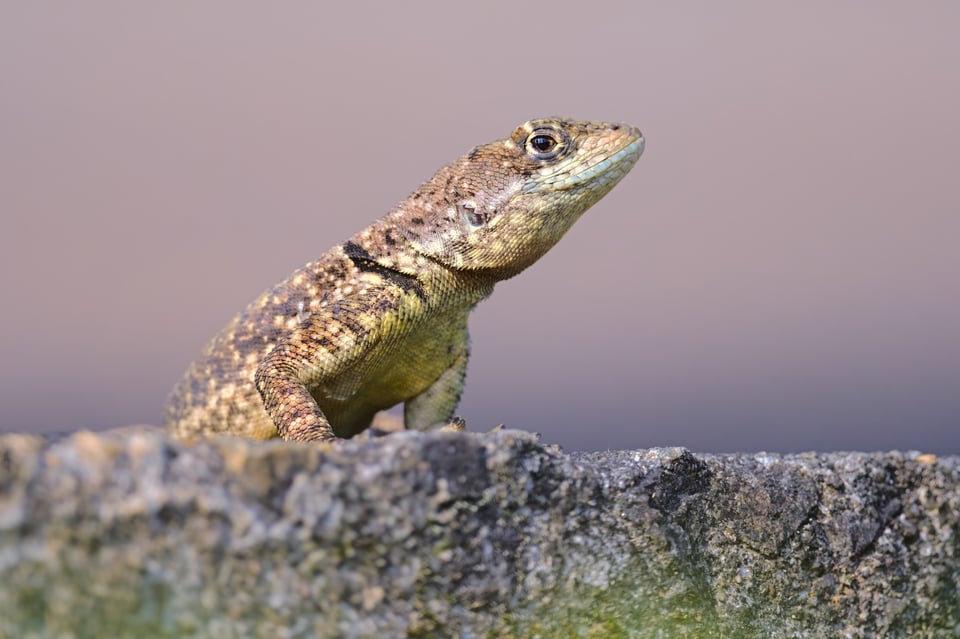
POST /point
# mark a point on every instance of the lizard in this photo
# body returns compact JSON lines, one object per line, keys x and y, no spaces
{"x":382,"y":318}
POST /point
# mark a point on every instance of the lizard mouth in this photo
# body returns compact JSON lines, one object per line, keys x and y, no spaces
{"x":605,"y":172}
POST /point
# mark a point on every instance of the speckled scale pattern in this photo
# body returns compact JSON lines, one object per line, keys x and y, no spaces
{"x":382,"y":318}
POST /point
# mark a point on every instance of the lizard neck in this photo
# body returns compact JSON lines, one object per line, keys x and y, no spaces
{"x":383,"y":248}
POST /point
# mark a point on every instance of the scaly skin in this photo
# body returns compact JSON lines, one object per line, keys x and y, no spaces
{"x":382,"y":318}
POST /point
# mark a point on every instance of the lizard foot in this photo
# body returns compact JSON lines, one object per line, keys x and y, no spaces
{"x":456,"y":425}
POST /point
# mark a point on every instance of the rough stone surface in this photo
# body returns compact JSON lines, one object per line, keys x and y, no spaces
{"x":463,"y":535}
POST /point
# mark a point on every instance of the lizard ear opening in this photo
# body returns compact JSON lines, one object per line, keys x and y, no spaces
{"x":472,"y":218}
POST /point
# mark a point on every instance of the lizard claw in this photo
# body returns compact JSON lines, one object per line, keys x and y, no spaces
{"x":456,"y":425}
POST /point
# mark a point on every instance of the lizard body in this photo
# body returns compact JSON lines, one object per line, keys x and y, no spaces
{"x":382,"y":318}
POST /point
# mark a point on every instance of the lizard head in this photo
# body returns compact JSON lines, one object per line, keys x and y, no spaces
{"x":503,"y":205}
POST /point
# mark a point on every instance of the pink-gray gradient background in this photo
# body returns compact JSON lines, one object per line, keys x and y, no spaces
{"x":779,"y":272}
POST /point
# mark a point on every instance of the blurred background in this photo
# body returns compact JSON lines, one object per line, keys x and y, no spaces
{"x":779,"y":272}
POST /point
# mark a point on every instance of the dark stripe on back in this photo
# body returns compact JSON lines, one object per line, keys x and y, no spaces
{"x":366,"y":263}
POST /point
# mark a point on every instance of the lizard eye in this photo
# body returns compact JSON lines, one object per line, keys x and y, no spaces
{"x":470,"y":215}
{"x":545,"y":144}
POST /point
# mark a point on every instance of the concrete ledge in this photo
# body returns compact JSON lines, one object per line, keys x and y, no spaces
{"x":448,"y":534}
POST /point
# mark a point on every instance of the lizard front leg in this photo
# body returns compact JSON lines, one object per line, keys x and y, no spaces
{"x":286,"y":399}
{"x":435,"y":405}
{"x":326,"y":343}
